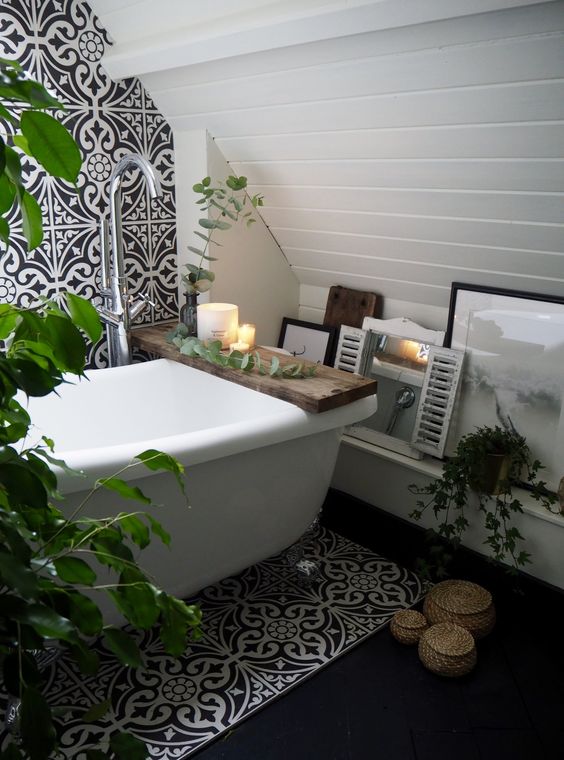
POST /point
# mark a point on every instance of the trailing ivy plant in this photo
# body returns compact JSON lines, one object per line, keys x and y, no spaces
{"x":228,"y":200}
{"x":467,"y":471}
{"x":212,"y":352}
{"x":49,"y":559}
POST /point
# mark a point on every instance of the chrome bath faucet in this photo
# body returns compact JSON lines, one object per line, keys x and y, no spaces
{"x":119,"y":308}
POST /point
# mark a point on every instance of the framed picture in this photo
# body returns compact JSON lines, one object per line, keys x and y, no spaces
{"x":308,"y":340}
{"x":514,"y":366}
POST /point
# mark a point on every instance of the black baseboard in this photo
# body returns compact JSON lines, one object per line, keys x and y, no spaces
{"x":404,"y":542}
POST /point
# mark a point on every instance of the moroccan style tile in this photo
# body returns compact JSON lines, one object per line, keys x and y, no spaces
{"x":264,"y":633}
{"x":61,"y":43}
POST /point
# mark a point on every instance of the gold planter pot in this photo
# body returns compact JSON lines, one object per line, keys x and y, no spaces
{"x":494,"y":472}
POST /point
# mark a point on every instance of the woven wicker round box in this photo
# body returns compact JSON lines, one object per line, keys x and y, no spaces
{"x":461,"y":602}
{"x":407,"y":626}
{"x":448,"y":650}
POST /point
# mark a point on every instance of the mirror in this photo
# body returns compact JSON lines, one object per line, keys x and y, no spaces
{"x":399,"y":364}
{"x":417,"y":385}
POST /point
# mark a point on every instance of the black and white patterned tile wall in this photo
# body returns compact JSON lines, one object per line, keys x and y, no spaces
{"x":61,"y":43}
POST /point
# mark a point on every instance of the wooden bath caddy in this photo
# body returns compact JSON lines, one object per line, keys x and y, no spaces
{"x":328,"y":389}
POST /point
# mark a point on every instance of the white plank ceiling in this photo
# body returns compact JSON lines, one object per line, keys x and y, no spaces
{"x":396,"y":159}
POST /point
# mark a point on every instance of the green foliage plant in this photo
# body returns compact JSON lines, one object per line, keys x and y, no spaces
{"x":247,"y":362}
{"x":467,"y":471}
{"x":29,"y":131}
{"x":50,"y":562}
{"x":226,"y":201}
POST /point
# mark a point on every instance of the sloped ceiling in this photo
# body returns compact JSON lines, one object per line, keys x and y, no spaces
{"x":399,"y":145}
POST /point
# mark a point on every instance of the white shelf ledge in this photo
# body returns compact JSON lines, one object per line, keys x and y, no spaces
{"x":433,"y":469}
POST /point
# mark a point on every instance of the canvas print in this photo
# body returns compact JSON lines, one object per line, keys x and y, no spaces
{"x":514,"y":365}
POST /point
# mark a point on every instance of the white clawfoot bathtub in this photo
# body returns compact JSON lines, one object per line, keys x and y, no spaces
{"x":257,"y":469}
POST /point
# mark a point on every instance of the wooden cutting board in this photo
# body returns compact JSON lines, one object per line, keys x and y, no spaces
{"x":349,"y":307}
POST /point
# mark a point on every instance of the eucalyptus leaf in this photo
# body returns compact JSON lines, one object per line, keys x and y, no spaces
{"x":207,"y":224}
{"x":203,"y":285}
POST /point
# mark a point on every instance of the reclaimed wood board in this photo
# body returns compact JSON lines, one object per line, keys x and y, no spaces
{"x":328,"y":389}
{"x":349,"y":307}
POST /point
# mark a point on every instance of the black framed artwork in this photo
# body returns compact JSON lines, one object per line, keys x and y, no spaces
{"x":514,"y":366}
{"x":308,"y":340}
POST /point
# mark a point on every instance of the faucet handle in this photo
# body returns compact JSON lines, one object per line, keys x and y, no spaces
{"x":137,"y":307}
{"x":145,"y":298}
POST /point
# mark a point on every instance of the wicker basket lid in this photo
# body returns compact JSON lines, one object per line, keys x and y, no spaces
{"x":460,"y":597}
{"x":449,"y":639}
{"x":410,"y":619}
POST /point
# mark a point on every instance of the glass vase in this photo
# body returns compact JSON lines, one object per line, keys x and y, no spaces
{"x":189,"y":314}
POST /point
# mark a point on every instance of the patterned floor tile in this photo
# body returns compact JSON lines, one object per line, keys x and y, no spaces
{"x":264,"y":632}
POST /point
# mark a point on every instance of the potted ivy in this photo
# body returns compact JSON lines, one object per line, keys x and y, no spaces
{"x":490,"y":463}
{"x":228,"y":202}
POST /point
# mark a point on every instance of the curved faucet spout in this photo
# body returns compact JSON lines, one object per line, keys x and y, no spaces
{"x":131,"y":161}
{"x":119,"y":302}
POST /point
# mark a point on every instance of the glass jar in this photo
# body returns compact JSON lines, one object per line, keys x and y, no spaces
{"x":189,"y":314}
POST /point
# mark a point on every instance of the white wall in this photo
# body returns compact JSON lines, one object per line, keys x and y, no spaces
{"x":425,"y":149}
{"x":251,"y":270}
{"x":191,"y":165}
{"x":382,"y":480}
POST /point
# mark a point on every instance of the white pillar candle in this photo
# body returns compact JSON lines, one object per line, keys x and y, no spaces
{"x":218,"y":321}
{"x":247,"y":334}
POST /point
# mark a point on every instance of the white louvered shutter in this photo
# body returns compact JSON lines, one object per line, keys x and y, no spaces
{"x":437,"y":400}
{"x":349,"y":349}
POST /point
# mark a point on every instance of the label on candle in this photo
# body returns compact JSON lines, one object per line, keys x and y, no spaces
{"x":218,"y":321}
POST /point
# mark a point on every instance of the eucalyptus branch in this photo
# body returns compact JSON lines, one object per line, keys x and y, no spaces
{"x":247,"y":362}
{"x":199,"y":279}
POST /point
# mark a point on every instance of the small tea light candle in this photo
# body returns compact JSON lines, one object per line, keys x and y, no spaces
{"x":239,"y":346}
{"x":246,"y":334}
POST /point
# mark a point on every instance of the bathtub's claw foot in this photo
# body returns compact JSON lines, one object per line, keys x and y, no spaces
{"x":312,"y":532}
{"x":12,"y":716}
{"x":294,"y":554}
{"x":307,"y":571}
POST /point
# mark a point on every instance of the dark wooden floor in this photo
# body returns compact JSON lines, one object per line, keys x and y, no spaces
{"x":379,"y":702}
